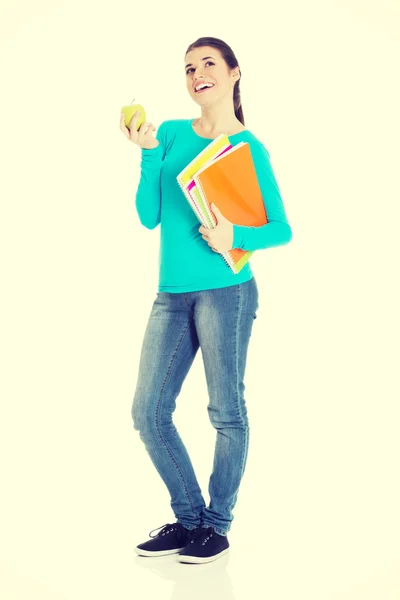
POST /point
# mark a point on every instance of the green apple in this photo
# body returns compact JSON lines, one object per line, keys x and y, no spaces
{"x":130,"y":110}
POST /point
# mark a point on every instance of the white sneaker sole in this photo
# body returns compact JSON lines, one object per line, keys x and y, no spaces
{"x":157,"y":553}
{"x":200,"y":559}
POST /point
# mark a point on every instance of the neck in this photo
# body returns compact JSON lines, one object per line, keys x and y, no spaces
{"x":217,"y":118}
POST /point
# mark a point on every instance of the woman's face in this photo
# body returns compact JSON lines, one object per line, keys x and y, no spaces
{"x":206,"y":64}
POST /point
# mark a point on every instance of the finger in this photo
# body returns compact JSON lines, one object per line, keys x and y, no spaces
{"x":124,"y":128}
{"x":134,"y":120}
{"x":143,"y":128}
{"x":148,"y":128}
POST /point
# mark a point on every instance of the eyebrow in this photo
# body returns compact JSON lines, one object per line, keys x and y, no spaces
{"x":205,"y":58}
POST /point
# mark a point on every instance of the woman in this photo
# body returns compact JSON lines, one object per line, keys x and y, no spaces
{"x":200,"y":303}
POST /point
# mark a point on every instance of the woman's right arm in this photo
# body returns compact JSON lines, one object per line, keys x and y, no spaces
{"x":148,"y":195}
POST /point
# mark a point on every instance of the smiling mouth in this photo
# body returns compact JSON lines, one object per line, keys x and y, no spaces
{"x":203,"y":89}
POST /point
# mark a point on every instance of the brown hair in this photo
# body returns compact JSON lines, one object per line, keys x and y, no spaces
{"x":230,"y":59}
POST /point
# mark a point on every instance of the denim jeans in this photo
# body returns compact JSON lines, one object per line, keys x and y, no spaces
{"x":219,"y":321}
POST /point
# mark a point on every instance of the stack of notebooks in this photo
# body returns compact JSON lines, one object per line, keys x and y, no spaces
{"x":225,"y":175}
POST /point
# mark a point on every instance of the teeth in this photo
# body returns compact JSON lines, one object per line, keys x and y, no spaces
{"x":203,"y":85}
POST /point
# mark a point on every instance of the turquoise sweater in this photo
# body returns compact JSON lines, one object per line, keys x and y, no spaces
{"x":186,"y":262}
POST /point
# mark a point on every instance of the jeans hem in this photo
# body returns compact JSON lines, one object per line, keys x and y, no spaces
{"x":216,"y":529}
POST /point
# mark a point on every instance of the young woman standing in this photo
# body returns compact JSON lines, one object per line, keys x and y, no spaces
{"x":200,"y":303}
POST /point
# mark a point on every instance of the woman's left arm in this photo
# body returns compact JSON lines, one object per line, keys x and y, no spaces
{"x":277,"y":231}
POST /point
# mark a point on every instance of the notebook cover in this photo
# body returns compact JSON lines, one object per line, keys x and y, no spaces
{"x":231,"y":182}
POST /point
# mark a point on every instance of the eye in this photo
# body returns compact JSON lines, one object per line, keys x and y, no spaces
{"x":207,"y":63}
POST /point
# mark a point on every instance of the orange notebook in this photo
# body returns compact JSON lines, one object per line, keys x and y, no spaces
{"x":230,"y":181}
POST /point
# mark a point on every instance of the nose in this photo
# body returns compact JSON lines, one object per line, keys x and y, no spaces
{"x":197,"y":76}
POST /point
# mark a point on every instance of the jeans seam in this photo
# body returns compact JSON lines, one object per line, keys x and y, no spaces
{"x":240,"y":306}
{"x":157,"y":422}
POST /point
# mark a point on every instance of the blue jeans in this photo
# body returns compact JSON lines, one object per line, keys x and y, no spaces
{"x":219,"y":321}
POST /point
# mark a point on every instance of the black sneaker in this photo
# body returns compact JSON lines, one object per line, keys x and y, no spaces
{"x":205,"y":546}
{"x":172,"y":538}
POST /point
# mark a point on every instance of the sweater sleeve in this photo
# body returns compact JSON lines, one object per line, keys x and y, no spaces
{"x":277,"y":231}
{"x":148,"y":194}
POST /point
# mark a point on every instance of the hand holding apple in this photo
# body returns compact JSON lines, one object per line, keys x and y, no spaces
{"x":139,"y":132}
{"x":129,"y":112}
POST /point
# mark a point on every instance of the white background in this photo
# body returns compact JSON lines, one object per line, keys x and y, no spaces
{"x":317,"y":514}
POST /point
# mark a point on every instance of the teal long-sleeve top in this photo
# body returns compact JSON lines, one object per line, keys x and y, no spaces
{"x":186,"y":262}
